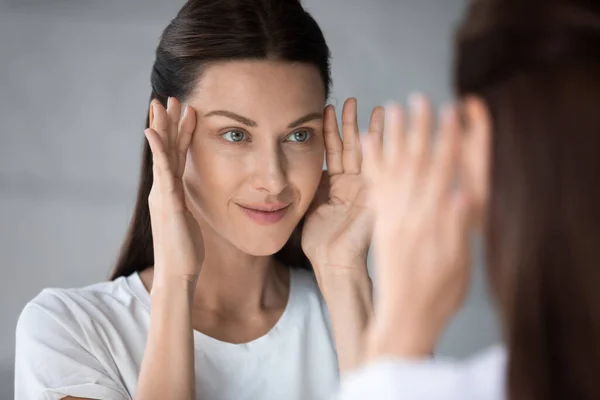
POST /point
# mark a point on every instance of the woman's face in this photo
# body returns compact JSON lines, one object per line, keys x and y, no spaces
{"x":256,"y":157}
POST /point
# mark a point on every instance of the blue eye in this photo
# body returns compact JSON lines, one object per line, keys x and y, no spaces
{"x":234,"y":136}
{"x":299,"y":136}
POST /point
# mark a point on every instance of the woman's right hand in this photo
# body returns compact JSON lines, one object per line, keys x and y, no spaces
{"x":177,"y":240}
{"x":168,"y":369}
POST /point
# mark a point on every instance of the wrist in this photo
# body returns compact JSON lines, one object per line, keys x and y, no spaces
{"x":348,"y":295}
{"x":341,"y":281}
{"x":172,"y":288}
{"x":165,"y":276}
{"x":341,"y":268}
{"x":326,"y":259}
{"x":397,"y":339}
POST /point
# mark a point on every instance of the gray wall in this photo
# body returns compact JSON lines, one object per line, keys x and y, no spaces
{"x":74,"y":85}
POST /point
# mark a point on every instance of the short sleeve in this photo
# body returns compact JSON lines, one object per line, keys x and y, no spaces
{"x":52,"y":362}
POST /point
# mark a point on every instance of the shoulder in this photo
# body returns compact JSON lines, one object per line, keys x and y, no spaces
{"x":487,"y":370}
{"x":71,"y":308}
{"x":63,"y":343}
{"x":59,"y":300}
{"x":494,"y":356}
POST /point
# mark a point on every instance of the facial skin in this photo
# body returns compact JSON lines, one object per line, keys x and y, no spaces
{"x":258,"y":144}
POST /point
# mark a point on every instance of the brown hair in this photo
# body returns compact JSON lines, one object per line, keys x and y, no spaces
{"x":537,"y":66}
{"x":211,"y":31}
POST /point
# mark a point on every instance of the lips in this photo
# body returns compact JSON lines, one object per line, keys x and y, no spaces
{"x":265,"y":214}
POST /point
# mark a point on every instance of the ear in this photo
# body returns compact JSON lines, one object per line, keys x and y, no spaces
{"x":476,"y":154}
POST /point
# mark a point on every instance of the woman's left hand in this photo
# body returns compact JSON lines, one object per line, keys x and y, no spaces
{"x":337,"y":233}
{"x":338,"y":226}
{"x":421,"y":237}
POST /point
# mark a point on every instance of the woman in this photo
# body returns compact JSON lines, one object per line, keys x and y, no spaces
{"x":528,"y":74}
{"x":211,"y":296}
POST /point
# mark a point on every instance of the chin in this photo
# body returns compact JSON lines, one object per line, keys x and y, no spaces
{"x":261,"y":245}
{"x":265,"y":247}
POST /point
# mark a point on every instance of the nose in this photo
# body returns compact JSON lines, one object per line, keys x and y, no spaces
{"x":269,"y":173}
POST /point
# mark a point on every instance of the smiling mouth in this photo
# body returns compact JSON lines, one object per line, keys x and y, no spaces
{"x":265,"y":214}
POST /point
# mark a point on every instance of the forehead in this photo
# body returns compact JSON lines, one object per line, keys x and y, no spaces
{"x":260,"y":87}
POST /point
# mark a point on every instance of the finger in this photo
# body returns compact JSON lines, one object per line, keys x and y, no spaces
{"x":333,"y":142}
{"x":174,"y":114}
{"x":352,"y":151}
{"x":445,"y":161}
{"x":376,"y":125}
{"x":373,"y":157}
{"x":393,"y":151}
{"x":161,"y":167}
{"x":160,"y":122}
{"x":419,"y":137}
{"x":186,"y":129}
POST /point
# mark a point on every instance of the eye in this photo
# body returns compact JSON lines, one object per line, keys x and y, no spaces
{"x":234,"y":136}
{"x":299,"y":136}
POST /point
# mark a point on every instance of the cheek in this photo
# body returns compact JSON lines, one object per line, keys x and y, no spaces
{"x":211,"y":177}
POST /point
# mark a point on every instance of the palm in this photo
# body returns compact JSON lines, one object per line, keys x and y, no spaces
{"x":340,"y":221}
{"x":177,"y":239}
{"x":337,"y":228}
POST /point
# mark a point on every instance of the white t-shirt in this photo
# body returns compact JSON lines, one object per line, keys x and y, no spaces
{"x":90,"y":342}
{"x":481,"y":377}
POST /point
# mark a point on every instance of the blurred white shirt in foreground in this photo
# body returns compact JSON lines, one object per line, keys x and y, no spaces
{"x":481,"y":377}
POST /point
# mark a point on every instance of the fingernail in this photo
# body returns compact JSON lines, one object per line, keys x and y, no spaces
{"x":389,"y":104}
{"x":185,"y":111}
{"x":416,"y":101}
{"x":168,"y":103}
{"x":392,"y":109}
{"x":388,"y":108}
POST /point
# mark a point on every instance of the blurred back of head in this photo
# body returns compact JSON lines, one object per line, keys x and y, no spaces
{"x":536,"y":64}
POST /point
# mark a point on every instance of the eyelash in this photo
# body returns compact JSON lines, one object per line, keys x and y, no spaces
{"x":234,"y":131}
{"x":309,"y":133}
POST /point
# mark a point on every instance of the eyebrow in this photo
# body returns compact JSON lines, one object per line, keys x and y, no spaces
{"x":305,"y":119}
{"x":248,"y":122}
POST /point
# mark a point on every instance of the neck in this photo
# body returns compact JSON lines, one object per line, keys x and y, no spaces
{"x":232,"y":281}
{"x":235,"y":283}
